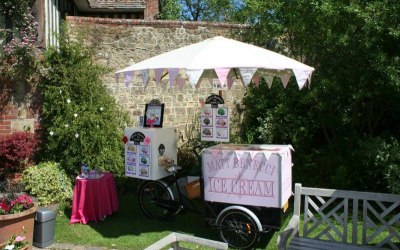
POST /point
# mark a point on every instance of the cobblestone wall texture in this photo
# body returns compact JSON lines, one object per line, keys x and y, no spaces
{"x":120,"y":43}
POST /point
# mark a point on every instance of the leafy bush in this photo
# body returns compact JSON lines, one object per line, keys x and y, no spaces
{"x":17,"y":151}
{"x":48,"y":182}
{"x":81,"y":121}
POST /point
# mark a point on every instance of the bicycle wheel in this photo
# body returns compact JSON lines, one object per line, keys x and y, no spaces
{"x":154,"y":199}
{"x":238,"y":229}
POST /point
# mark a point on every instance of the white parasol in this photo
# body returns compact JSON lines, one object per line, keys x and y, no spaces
{"x":221,"y":58}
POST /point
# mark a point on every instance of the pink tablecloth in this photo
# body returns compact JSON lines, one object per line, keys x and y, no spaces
{"x":94,"y":199}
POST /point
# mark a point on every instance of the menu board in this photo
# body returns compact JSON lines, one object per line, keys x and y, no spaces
{"x":215,"y":123}
{"x":138,"y":160}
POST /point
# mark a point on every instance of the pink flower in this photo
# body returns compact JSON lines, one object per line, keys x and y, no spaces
{"x":19,"y":238}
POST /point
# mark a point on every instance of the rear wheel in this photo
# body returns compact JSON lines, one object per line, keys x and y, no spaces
{"x":238,"y":229}
{"x":154,"y":200}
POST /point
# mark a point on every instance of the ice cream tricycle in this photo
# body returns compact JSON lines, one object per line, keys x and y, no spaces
{"x":244,"y":188}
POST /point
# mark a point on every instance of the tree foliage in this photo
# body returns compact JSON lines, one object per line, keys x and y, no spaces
{"x":338,"y":125}
{"x":198,"y":10}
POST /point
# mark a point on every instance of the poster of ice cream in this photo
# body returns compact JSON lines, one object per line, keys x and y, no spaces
{"x":138,"y":160}
{"x":215,"y":123}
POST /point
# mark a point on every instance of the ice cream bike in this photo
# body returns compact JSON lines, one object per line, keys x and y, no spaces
{"x":245,"y":188}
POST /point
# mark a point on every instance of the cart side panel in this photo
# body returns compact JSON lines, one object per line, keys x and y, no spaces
{"x":142,"y":157}
{"x":248,"y":177}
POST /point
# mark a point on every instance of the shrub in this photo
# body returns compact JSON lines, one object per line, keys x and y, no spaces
{"x":48,"y":182}
{"x":17,"y":151}
{"x":81,"y":122}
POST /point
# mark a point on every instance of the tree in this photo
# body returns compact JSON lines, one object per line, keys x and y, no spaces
{"x":169,"y":9}
{"x":198,"y":10}
{"x":80,"y":120}
{"x":355,"y":49}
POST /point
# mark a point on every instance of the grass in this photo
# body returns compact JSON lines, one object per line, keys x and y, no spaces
{"x":130,"y":229}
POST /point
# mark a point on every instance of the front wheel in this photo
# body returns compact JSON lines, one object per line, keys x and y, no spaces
{"x":154,"y":200}
{"x":238,"y":229}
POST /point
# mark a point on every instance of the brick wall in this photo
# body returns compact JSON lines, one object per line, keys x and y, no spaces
{"x":151,"y":10}
{"x":17,"y":113}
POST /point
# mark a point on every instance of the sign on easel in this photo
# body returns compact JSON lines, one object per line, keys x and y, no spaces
{"x":215,"y":120}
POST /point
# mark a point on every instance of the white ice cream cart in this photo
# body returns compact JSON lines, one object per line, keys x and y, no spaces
{"x":146,"y":149}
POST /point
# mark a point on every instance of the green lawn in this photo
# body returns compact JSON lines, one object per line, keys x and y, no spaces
{"x":130,"y":229}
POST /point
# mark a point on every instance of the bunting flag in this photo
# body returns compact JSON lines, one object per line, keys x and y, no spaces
{"x":256,"y":80}
{"x":230,"y":82}
{"x":269,"y":79}
{"x":285,"y":79}
{"x":215,"y":152}
{"x":247,"y":74}
{"x":302,"y":76}
{"x":222,"y":74}
{"x":194,"y":76}
{"x":145,"y":77}
{"x":128,"y":78}
{"x":158,"y":73}
{"x":173,"y":73}
{"x":181,"y":83}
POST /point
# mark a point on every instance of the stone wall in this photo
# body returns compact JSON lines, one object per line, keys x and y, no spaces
{"x":120,"y":43}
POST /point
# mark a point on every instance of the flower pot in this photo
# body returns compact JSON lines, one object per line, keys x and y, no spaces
{"x":2,"y":245}
{"x":12,"y":224}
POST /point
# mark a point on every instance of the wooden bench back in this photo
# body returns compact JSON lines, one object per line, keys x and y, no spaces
{"x":328,"y":214}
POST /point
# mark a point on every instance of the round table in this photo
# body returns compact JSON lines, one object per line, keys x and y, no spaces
{"x":94,"y":199}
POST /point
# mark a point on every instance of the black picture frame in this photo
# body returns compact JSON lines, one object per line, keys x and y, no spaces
{"x":154,"y":112}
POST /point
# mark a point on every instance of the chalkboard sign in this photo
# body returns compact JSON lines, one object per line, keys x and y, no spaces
{"x":137,"y":138}
{"x":214,"y":100}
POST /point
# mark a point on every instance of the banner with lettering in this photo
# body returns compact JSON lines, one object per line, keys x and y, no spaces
{"x":258,"y":175}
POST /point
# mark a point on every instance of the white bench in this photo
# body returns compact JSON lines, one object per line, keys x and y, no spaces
{"x":173,"y":240}
{"x":328,"y":213}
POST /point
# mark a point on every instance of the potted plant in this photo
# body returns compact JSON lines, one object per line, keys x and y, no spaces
{"x":17,"y":217}
{"x":15,"y":243}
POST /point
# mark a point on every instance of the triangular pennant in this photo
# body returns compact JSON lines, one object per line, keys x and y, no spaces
{"x":246,"y":75}
{"x":222,"y":73}
{"x":230,"y":82}
{"x":285,"y":79}
{"x":172,"y":76}
{"x":194,"y":76}
{"x":128,"y":78}
{"x":302,"y":76}
{"x":145,"y":77}
{"x":181,"y":83}
{"x":256,"y":80}
{"x":215,"y":152}
{"x":269,"y":79}
{"x":158,"y":73}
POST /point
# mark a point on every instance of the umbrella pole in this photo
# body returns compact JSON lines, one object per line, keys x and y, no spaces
{"x":220,"y":92}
